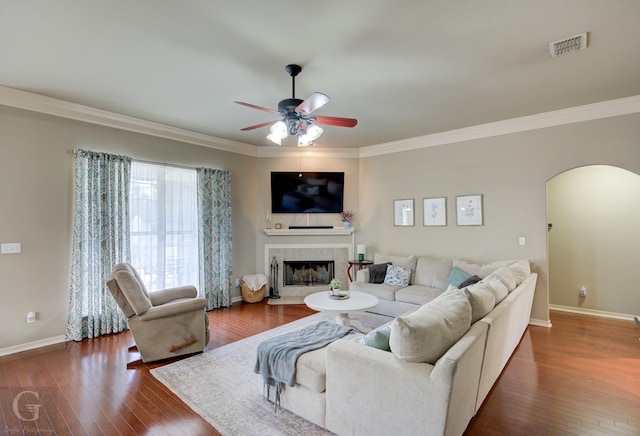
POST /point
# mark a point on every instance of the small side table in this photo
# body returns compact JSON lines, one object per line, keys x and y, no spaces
{"x":361,"y":264}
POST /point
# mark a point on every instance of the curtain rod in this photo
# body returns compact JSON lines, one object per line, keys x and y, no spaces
{"x":164,"y":164}
{"x":155,"y":163}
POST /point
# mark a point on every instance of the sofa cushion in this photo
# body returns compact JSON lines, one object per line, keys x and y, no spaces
{"x":426,"y":334}
{"x":505,"y":275}
{"x":311,"y":367}
{"x":521,"y":270}
{"x":397,"y":275}
{"x":481,"y":270}
{"x":456,"y":277}
{"x":378,"y":338}
{"x":500,"y":291}
{"x":382,"y":291}
{"x":377,"y":272}
{"x":433,"y":271}
{"x":417,"y":294}
{"x":403,"y":261}
{"x":482,"y":300}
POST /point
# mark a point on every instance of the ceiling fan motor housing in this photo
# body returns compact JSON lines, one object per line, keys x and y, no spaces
{"x":288,"y":105}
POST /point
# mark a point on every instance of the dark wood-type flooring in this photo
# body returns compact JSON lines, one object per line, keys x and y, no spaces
{"x":581,"y":377}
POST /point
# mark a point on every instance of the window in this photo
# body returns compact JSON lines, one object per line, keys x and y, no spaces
{"x":164,"y":225}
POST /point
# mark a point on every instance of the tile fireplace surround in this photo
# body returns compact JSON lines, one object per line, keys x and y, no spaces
{"x":339,"y":253}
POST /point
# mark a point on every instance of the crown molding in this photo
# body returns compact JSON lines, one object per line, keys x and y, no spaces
{"x":52,"y":106}
{"x":578,"y":114}
{"x":294,"y":152}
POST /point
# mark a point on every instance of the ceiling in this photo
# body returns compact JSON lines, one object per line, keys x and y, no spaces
{"x":403,"y":69}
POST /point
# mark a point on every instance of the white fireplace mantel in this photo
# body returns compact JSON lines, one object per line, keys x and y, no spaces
{"x":336,"y":231}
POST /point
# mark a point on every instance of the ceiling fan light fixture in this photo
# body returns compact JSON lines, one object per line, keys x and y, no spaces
{"x":313,"y":133}
{"x":278,"y":132}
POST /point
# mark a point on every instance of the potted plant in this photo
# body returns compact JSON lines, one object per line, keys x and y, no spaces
{"x":335,"y":286}
{"x":346,"y":216}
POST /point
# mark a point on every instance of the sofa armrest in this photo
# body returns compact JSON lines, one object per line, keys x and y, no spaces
{"x":507,"y":323}
{"x":166,"y":295}
{"x":173,"y":308}
{"x":362,"y":275}
{"x":418,"y":395}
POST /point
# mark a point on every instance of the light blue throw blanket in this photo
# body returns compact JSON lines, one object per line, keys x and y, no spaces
{"x":276,"y":357}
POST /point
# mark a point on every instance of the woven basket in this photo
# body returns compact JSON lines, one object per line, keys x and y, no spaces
{"x":250,"y":296}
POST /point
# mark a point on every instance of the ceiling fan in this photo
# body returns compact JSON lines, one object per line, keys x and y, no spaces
{"x":296,"y":119}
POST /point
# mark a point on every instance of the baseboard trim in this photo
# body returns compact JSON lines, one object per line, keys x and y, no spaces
{"x":32,"y":345}
{"x":592,"y":312}
{"x":540,"y":322}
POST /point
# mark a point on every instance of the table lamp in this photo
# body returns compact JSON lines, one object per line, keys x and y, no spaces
{"x":361,"y":251}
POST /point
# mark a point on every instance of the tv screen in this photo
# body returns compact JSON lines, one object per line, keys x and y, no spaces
{"x":319,"y":192}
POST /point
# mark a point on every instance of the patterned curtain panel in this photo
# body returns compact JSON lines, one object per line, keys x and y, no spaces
{"x":214,"y":236}
{"x":100,"y":240}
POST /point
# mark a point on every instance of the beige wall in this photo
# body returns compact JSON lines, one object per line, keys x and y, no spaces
{"x":311,"y":161}
{"x":36,"y":194}
{"x":510,"y":171}
{"x":594,"y":241}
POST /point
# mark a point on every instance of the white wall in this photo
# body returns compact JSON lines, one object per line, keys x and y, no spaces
{"x":595,"y":239}
{"x":36,"y":195}
{"x":510,"y":171}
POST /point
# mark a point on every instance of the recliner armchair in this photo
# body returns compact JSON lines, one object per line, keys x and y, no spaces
{"x":164,"y":324}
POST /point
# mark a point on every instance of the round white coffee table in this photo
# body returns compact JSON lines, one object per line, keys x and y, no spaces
{"x":356,"y":302}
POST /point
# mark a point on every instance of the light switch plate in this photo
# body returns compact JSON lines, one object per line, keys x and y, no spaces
{"x":10,"y":248}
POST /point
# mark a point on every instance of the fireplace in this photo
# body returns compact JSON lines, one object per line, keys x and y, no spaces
{"x":304,"y":254}
{"x":308,"y":272}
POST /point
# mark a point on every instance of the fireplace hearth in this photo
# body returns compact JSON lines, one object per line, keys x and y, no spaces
{"x":308,"y":272}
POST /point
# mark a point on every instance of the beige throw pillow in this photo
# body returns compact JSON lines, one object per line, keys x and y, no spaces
{"x":480,"y":270}
{"x":482,"y":300}
{"x":521,"y":270}
{"x":505,"y":275}
{"x":498,"y":288}
{"x":427,"y":333}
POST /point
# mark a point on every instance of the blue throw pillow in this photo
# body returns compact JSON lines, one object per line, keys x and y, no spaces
{"x":378,"y":338}
{"x":457,"y":276}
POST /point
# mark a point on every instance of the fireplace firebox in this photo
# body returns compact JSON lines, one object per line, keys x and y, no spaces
{"x":308,"y":272}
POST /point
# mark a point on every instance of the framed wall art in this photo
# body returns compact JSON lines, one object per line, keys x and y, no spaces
{"x":435,"y":211}
{"x":469,"y":210}
{"x":403,"y":212}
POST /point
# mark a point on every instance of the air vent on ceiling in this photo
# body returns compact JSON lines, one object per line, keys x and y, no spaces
{"x":568,"y":45}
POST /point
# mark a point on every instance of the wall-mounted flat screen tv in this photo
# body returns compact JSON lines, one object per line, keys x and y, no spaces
{"x":313,"y":192}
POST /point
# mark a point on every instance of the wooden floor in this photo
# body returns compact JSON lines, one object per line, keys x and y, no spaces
{"x":581,"y":377}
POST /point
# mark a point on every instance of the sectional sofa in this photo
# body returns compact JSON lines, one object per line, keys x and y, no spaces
{"x":429,"y":370}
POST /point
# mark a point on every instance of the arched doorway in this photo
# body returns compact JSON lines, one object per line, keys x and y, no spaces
{"x":594,"y":240}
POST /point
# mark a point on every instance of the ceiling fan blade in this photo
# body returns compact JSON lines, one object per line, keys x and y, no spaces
{"x":257,"y":126}
{"x":313,"y":102}
{"x":336,"y":121}
{"x":271,"y":111}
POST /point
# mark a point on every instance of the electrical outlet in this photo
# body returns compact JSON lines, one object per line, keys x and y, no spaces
{"x":583,"y":291}
{"x":237,"y":283}
{"x":10,"y":248}
{"x":521,"y":240}
{"x":31,"y":317}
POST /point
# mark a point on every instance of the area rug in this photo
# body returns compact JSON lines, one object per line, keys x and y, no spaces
{"x":221,"y":387}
